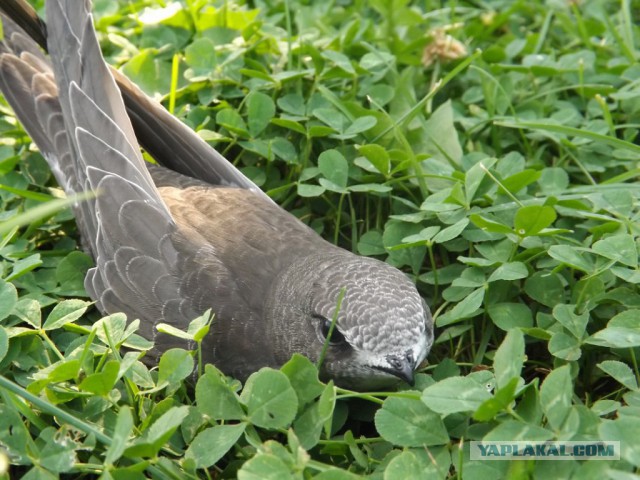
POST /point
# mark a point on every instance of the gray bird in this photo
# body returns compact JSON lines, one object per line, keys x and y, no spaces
{"x":193,"y":233}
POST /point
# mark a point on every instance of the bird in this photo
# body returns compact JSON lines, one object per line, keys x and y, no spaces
{"x":190,"y":233}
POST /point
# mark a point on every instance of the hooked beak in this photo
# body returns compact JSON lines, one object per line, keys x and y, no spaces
{"x":401,"y":367}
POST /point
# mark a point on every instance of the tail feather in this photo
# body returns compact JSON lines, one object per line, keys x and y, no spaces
{"x":73,"y":110}
{"x":170,"y":142}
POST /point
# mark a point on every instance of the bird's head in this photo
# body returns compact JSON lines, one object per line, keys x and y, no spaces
{"x":383,"y":331}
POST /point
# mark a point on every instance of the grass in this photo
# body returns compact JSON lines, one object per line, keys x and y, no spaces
{"x":488,"y":149}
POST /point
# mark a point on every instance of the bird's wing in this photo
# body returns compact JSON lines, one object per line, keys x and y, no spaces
{"x":28,"y":84}
{"x":27,"y":18}
{"x":170,"y":142}
{"x":176,"y":146}
{"x":166,"y":247}
{"x":144,"y":265}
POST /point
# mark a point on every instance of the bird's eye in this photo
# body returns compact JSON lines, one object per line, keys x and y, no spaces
{"x":336,"y":337}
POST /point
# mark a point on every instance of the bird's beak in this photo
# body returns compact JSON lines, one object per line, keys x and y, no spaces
{"x":401,"y":367}
{"x":405,"y":372}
